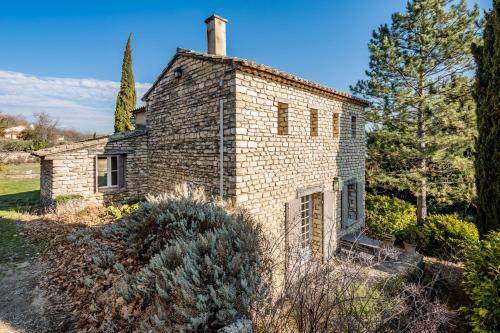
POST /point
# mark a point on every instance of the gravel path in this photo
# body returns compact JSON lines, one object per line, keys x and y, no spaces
{"x":23,"y":305}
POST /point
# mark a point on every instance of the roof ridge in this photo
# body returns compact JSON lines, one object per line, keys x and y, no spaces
{"x":259,"y":67}
{"x":87,"y":143}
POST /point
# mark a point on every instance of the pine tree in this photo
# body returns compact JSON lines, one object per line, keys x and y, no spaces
{"x":126,"y":99}
{"x":487,"y":96}
{"x":422,"y":113}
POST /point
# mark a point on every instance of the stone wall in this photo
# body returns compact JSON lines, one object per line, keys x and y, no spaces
{"x":272,"y":168}
{"x":183,"y":125}
{"x":17,"y":157}
{"x":74,"y":172}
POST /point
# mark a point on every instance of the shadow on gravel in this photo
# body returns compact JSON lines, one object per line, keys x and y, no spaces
{"x":24,"y":307}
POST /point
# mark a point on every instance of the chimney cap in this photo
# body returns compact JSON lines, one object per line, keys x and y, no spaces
{"x":215,"y":16}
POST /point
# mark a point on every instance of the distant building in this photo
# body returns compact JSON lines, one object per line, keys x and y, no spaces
{"x":14,"y":131}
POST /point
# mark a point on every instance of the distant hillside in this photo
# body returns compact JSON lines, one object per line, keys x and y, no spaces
{"x":44,"y":128}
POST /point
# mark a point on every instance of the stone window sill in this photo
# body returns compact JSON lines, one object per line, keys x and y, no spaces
{"x":108,"y":189}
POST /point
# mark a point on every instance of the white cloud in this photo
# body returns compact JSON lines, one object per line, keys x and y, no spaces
{"x":83,"y":104}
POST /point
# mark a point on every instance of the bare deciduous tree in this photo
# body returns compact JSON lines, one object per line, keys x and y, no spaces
{"x":347,"y":293}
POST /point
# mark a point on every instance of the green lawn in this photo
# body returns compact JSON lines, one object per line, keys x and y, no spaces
{"x":14,"y":246}
{"x":17,"y":195}
{"x":21,"y":168}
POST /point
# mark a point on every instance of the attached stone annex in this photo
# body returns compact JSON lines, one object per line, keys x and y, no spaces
{"x":288,"y":150}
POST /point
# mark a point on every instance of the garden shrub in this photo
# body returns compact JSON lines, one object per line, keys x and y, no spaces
{"x":180,"y":262}
{"x":3,"y":168}
{"x":482,"y":284}
{"x":124,"y":210}
{"x":15,"y":145}
{"x":447,"y":237}
{"x":388,"y":215}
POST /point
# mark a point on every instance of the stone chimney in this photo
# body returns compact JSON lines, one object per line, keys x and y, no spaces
{"x":216,"y":34}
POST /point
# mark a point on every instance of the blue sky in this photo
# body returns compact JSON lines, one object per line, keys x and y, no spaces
{"x":64,"y":57}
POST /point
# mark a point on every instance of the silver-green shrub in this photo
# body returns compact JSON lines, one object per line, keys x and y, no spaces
{"x":200,"y":263}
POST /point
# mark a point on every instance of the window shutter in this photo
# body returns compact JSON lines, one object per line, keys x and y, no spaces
{"x":359,"y":201}
{"x":121,"y":170}
{"x":96,"y":174}
{"x":328,"y":224}
{"x":292,"y":229}
{"x":345,"y":207}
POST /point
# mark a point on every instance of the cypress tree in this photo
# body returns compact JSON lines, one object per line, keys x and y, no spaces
{"x":422,"y":113}
{"x":126,"y":99}
{"x":487,"y":96}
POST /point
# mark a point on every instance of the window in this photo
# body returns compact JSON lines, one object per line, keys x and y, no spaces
{"x":352,"y":202}
{"x":107,"y":171}
{"x":352,"y":205}
{"x":314,"y":122}
{"x":353,"y":126}
{"x":305,"y":222}
{"x":336,"y":125}
{"x":282,"y":119}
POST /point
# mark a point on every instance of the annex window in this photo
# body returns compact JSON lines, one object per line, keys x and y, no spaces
{"x":282,"y":119}
{"x":353,"y":126}
{"x":108,"y":171}
{"x":336,"y":125}
{"x":313,"y":120}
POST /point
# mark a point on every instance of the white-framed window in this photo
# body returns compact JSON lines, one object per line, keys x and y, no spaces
{"x":306,"y":222}
{"x":108,"y":174}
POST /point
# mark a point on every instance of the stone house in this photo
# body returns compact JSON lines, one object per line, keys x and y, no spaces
{"x":290,"y":151}
{"x":14,"y":132}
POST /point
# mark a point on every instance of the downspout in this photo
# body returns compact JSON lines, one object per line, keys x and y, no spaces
{"x":221,"y":148}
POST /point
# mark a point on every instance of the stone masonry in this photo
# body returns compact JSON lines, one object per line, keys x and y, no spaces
{"x":283,"y":138}
{"x":68,"y":172}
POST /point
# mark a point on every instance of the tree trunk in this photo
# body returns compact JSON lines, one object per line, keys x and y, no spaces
{"x":422,"y":202}
{"x":422,"y":186}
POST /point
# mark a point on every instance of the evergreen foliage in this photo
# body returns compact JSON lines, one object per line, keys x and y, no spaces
{"x":482,"y":283}
{"x":447,"y":237}
{"x":386,"y":215}
{"x":126,"y":99}
{"x":3,"y":124}
{"x":487,"y":96}
{"x":422,"y":113}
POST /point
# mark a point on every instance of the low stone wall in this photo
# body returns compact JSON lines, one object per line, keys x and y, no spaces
{"x":11,"y":157}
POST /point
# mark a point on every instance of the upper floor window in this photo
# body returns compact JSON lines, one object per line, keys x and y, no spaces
{"x":336,"y":125}
{"x":313,"y":122}
{"x":353,"y":126}
{"x":109,"y":171}
{"x":282,"y":119}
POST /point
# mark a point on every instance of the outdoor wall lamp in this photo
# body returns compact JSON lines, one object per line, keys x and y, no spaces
{"x":336,"y":183}
{"x":178,"y":72}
